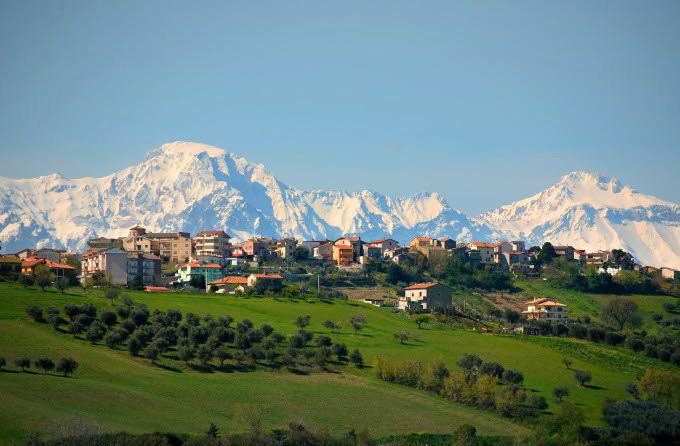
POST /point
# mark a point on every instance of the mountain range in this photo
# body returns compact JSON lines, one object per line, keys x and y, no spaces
{"x":184,"y":186}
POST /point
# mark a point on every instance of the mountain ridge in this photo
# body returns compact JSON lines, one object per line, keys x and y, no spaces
{"x":192,"y":186}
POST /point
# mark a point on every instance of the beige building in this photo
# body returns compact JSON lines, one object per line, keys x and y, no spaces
{"x":426,"y":297}
{"x":355,"y":243}
{"x":486,"y":251}
{"x":173,"y":247}
{"x":324,"y":251}
{"x":385,"y":243}
{"x":669,"y":273}
{"x":212,"y":243}
{"x":137,"y":241}
{"x":113,"y":262}
{"x":545,"y":309}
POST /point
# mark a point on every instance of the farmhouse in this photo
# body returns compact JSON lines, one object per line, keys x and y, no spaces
{"x":426,"y":296}
{"x":545,"y":309}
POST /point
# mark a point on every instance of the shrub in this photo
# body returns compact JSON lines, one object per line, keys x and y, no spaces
{"x":646,"y":416}
{"x":656,"y":317}
{"x":537,"y":402}
{"x":26,"y":280}
{"x":513,"y":376}
{"x":560,"y":330}
{"x":492,"y":369}
{"x":35,"y":312}
{"x":356,"y":358}
{"x":596,"y":334}
{"x":634,"y":343}
{"x":469,"y":362}
{"x":614,"y":338}
{"x":578,"y":331}
{"x":651,"y":351}
{"x":67,"y":366}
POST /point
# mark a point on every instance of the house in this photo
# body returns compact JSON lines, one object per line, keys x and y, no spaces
{"x":355,"y":243}
{"x":174,"y":247}
{"x":377,"y":301}
{"x":112,"y":262}
{"x":212,"y":243}
{"x":254,"y":247}
{"x":103,"y":243}
{"x":156,"y":289}
{"x":486,"y":251}
{"x":385,"y":244}
{"x":545,"y":309}
{"x":234,"y":261}
{"x":10,"y":265}
{"x":580,"y":256}
{"x":397,"y":254}
{"x":229,"y":284}
{"x":29,"y":266}
{"x":324,"y":251}
{"x":669,"y":273}
{"x":207,"y":271}
{"x":510,"y":258}
{"x":267,"y":280}
{"x":598,"y":258}
{"x":53,"y":255}
{"x":343,"y":254}
{"x":651,"y":271}
{"x":372,"y":252}
{"x":568,"y":252}
{"x":418,"y":242}
{"x":426,"y":297}
{"x":446,"y":243}
{"x":311,"y":244}
{"x":285,"y":248}
{"x":145,"y":266}
{"x":137,"y":241}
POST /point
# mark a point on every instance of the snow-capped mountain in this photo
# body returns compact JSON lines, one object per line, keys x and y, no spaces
{"x":192,"y":187}
{"x":592,"y":212}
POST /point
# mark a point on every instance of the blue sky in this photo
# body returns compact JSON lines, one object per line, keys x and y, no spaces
{"x":486,"y":102}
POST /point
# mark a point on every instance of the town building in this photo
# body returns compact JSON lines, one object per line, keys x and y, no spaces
{"x":104,"y":243}
{"x":145,"y":266}
{"x":343,"y":254}
{"x":385,"y":244}
{"x":53,"y":255}
{"x":355,"y":243}
{"x":545,"y":309}
{"x":113,"y":262}
{"x":230,"y":284}
{"x":212,"y":243}
{"x":324,"y":251}
{"x":266,"y":280}
{"x":670,"y":273}
{"x":208,"y":272}
{"x":173,"y":247}
{"x":29,"y":266}
{"x":10,"y":265}
{"x":254,"y":247}
{"x":426,"y":297}
{"x":486,"y":251}
{"x":376,"y":301}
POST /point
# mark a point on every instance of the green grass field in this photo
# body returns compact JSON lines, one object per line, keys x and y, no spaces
{"x":122,"y":393}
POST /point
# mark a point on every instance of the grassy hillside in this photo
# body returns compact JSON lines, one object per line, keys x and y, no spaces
{"x":119,"y":392}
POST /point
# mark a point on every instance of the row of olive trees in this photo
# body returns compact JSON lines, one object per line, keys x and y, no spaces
{"x":64,"y":365}
{"x":152,"y":334}
{"x":487,"y":385}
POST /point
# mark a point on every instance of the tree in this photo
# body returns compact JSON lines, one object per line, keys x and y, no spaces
{"x":204,"y":354}
{"x":560,"y":392}
{"x":213,"y":431}
{"x":632,"y":388}
{"x":621,"y":313}
{"x":71,"y":311}
{"x":492,"y":369}
{"x":87,"y":284}
{"x":46,"y":364}
{"x":302,"y":321}
{"x":356,"y":358}
{"x":402,"y":336}
{"x":67,"y":366}
{"x":94,"y":333}
{"x":469,"y":362}
{"x":357,"y":322}
{"x":25,"y":280}
{"x":547,"y":254}
{"x":222,"y":354}
{"x":567,"y":363}
{"x":24,"y":363}
{"x":62,"y":284}
{"x":583,"y":377}
{"x":513,"y":376}
{"x":330,"y":325}
{"x":537,"y":402}
{"x":134,"y":346}
{"x":647,"y":416}
{"x":340,"y":350}
{"x":35,"y":312}
{"x":323,"y":341}
{"x":420,"y":320}
{"x":75,"y":328}
{"x":43,"y":276}
{"x":151,"y":352}
{"x":242,"y":342}
{"x":186,"y":354}
{"x":112,"y":294}
{"x":109,"y":318}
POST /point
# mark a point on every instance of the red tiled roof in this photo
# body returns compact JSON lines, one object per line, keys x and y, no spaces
{"x":423,"y":239}
{"x":482,"y":244}
{"x":156,"y":289}
{"x":344,"y":247}
{"x":198,"y":265}
{"x":541,"y":302}
{"x":229,"y":279}
{"x":34,"y":261}
{"x":421,"y":286}
{"x":268,"y":276}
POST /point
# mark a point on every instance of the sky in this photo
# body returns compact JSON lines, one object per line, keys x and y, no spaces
{"x":486,"y":102}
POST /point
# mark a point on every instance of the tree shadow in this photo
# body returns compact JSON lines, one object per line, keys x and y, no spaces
{"x":169,"y":368}
{"x":296,"y":371}
{"x":595,"y":387}
{"x":201,"y":368}
{"x":9,"y":371}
